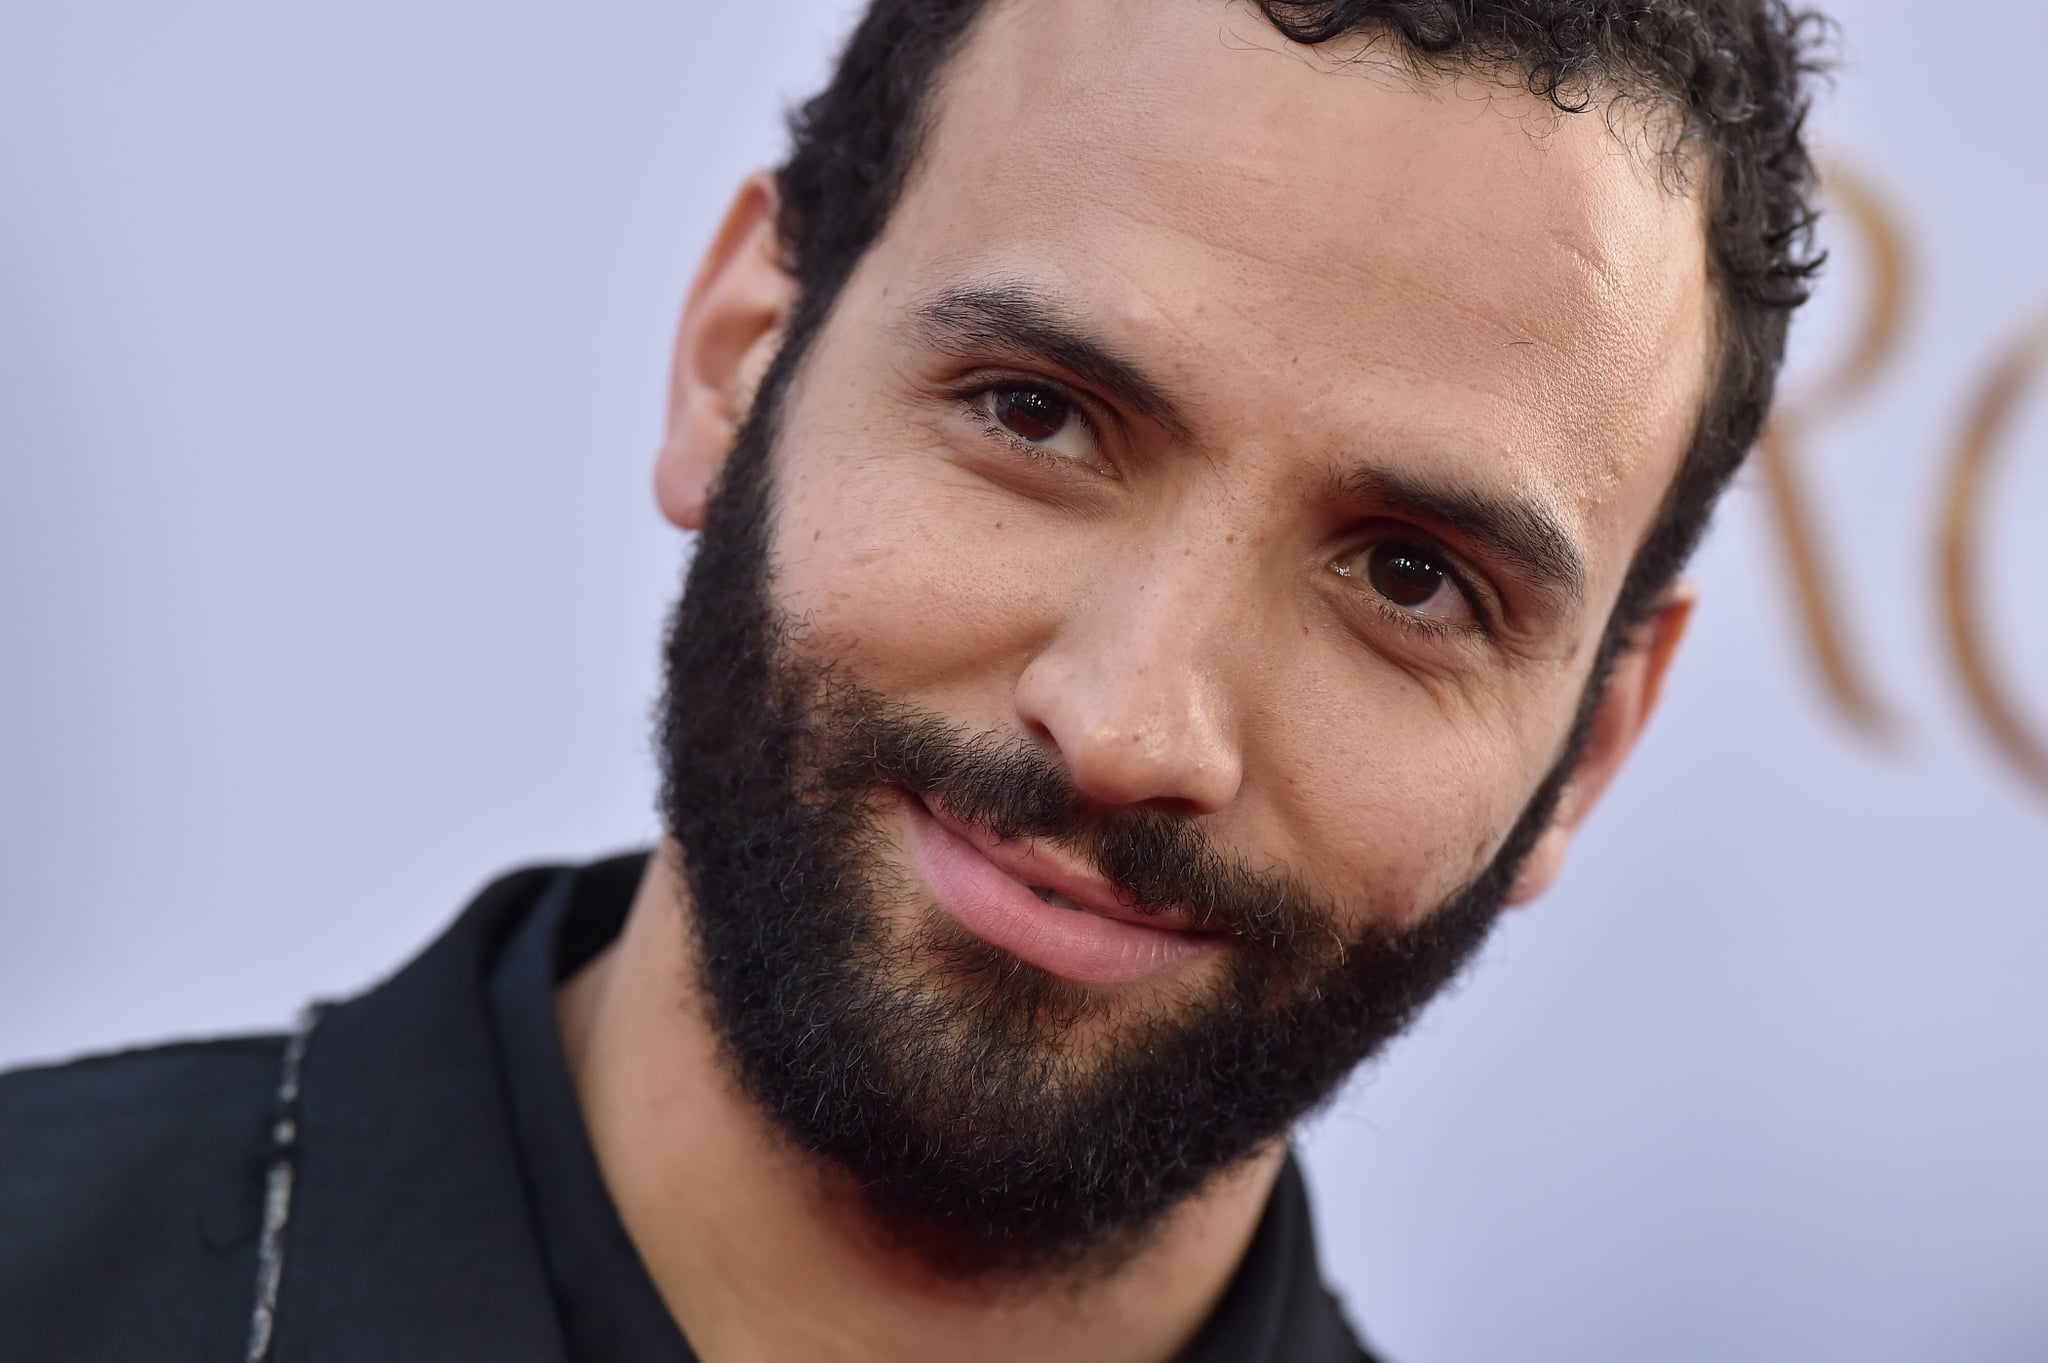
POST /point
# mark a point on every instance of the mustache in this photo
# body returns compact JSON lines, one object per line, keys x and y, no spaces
{"x":1011,"y":788}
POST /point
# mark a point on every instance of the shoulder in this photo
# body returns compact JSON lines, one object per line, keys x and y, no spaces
{"x":130,"y":1199}
{"x":96,"y":1087}
{"x":149,"y":1115}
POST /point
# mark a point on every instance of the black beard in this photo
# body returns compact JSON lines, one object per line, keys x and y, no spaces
{"x":936,"y":1071}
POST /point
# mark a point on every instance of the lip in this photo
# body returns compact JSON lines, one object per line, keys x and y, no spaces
{"x":986,"y":884}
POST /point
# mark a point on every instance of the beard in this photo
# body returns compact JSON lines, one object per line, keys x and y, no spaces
{"x":997,"y":1121}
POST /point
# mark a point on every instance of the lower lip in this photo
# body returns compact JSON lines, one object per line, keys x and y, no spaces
{"x":1083,"y":947}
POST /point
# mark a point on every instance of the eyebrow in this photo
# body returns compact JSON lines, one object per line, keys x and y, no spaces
{"x":1517,"y":530}
{"x":1013,"y":319}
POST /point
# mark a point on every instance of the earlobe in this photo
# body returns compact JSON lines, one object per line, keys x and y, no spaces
{"x":1626,"y":703}
{"x":731,"y":327}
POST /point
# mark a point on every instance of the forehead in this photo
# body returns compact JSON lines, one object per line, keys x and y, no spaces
{"x":1322,"y":250}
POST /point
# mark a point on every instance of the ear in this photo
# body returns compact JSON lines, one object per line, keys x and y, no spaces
{"x":1624,"y":709}
{"x":731,"y":328}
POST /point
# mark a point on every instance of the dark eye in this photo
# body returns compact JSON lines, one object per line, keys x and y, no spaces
{"x":1411,"y":577}
{"x":1044,"y":419}
{"x":1404,"y":576}
{"x":1032,"y":413}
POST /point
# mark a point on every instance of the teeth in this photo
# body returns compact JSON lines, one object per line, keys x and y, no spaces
{"x":1054,"y":898}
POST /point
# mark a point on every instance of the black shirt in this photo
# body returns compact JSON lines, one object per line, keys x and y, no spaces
{"x":1276,"y":1309}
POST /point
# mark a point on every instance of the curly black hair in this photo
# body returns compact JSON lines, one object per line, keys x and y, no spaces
{"x":1734,"y":76}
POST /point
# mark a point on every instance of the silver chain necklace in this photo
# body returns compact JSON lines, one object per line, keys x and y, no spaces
{"x":277,"y":1195}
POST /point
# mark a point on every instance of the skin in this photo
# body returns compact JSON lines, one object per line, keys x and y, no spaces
{"x":1341,"y":278}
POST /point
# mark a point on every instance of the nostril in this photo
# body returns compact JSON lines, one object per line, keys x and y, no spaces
{"x":1178,"y":807}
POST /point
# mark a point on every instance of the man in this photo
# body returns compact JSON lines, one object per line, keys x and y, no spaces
{"x":1191,"y":496}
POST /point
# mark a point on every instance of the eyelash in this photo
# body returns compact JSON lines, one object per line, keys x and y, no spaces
{"x":1429,"y":625}
{"x":970,"y":400}
{"x":1432,"y":626}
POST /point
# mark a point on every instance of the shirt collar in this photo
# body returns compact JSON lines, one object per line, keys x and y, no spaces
{"x":609,"y":1307}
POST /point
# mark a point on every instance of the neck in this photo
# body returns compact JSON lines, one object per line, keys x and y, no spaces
{"x":760,"y":1252}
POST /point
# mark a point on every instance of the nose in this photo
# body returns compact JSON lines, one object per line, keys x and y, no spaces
{"x":1133,"y":691}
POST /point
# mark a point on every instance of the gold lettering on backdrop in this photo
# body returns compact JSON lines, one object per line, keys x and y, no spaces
{"x":1961,"y":552}
{"x":1780,"y":452}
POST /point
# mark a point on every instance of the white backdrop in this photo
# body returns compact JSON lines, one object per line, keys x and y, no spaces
{"x":331,"y":359}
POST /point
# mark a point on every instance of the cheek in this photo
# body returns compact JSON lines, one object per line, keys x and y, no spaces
{"x":1390,"y":807}
{"x":901,"y":567}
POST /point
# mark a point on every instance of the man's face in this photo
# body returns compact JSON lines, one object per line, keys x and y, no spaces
{"x":1245,"y":444}
{"x":1356,"y":297}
